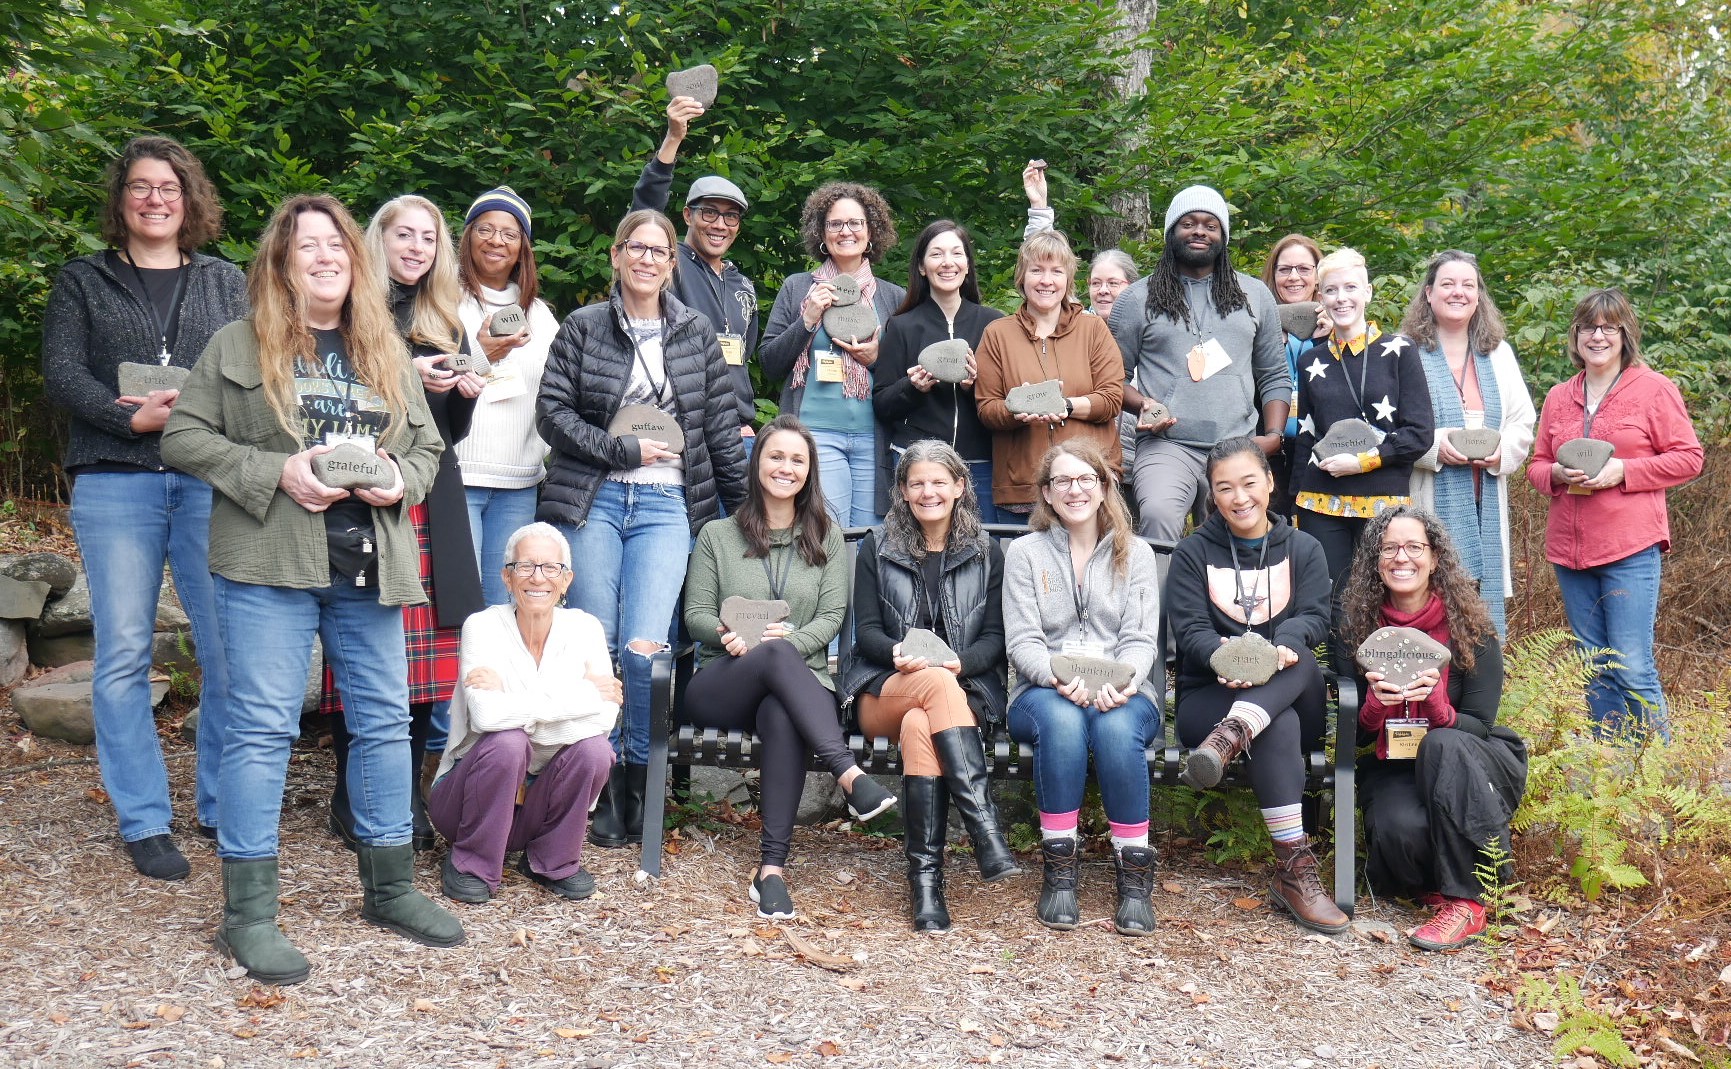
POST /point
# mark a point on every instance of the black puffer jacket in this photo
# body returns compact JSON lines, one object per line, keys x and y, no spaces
{"x":588,"y":368}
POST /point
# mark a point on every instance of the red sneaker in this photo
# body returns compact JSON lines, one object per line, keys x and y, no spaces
{"x":1432,"y":899}
{"x":1456,"y":923}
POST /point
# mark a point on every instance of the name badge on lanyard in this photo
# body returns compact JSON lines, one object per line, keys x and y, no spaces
{"x":732,"y":349}
{"x":1404,"y":737}
{"x":829,"y":366}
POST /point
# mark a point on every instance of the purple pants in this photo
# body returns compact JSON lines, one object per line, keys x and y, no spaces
{"x":475,"y":805}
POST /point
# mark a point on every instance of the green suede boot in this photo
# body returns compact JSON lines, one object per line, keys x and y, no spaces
{"x":248,"y":932}
{"x":391,"y":901}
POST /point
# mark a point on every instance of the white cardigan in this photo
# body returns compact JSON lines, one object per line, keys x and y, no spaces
{"x":553,"y":700}
{"x":503,"y":450}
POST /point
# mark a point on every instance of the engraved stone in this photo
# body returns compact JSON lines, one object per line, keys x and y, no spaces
{"x":1095,"y":672}
{"x":1476,"y":443}
{"x":465,"y":361}
{"x":349,"y":467}
{"x":1248,"y":658}
{"x":507,"y":321}
{"x":1154,"y":413}
{"x":1401,"y":654}
{"x":647,"y":421}
{"x":1585,"y":454}
{"x":946,"y":360}
{"x":138,"y":380}
{"x":699,"y":82}
{"x":1038,"y":399}
{"x":919,"y":642}
{"x":847,"y":291}
{"x":850,"y":322}
{"x":747,"y":617}
{"x":1348,"y":436}
{"x":1299,"y":318}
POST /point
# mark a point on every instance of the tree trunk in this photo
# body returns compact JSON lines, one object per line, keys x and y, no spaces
{"x":1131,"y":216}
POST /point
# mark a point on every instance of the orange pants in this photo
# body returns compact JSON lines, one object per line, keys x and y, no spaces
{"x":911,"y":707}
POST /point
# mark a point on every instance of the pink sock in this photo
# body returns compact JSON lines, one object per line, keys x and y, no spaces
{"x":1129,"y":834}
{"x":1059,"y":825}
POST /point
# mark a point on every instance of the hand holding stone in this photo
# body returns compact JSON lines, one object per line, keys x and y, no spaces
{"x":303,"y":487}
{"x":384,"y":496}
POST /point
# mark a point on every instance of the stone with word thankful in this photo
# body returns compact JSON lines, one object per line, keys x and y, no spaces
{"x":1476,"y":443}
{"x":850,"y":322}
{"x":920,"y":642}
{"x":464,"y":362}
{"x":946,"y":360}
{"x":1246,"y":658}
{"x":747,"y":617}
{"x":1348,"y":437}
{"x":847,"y":291}
{"x":699,"y":82}
{"x":139,"y":380}
{"x":647,"y":421}
{"x":1401,"y":654}
{"x":507,"y":321}
{"x":1094,"y":672}
{"x":349,"y":467}
{"x":1586,"y":454}
{"x":1299,"y":318}
{"x":1036,"y":399}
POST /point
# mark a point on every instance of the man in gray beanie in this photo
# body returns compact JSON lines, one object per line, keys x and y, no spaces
{"x":1205,"y":341}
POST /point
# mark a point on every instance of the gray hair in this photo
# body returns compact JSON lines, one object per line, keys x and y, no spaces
{"x":900,"y":527}
{"x":538,"y":530}
{"x":1115,"y":258}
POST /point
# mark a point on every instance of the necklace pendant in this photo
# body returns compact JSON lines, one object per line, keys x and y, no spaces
{"x":1248,"y":603}
{"x":163,"y":357}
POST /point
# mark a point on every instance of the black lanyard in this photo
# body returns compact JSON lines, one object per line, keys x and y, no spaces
{"x":711,"y":280}
{"x":1079,"y":591}
{"x":1588,"y":415}
{"x":926,"y":591}
{"x":778,"y":577}
{"x":659,"y":388}
{"x":163,"y":326}
{"x":1363,"y":373}
{"x":1248,"y":602}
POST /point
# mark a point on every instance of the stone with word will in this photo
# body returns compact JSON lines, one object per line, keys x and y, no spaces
{"x":1588,"y":455}
{"x":947,"y":360}
{"x":1246,"y":658}
{"x":1348,"y":437}
{"x":920,"y":642}
{"x":507,"y":321}
{"x":349,"y":467}
{"x":850,"y":322}
{"x":1401,"y":654}
{"x":747,"y":617}
{"x":1094,"y":672}
{"x":847,"y":291}
{"x":647,"y":421}
{"x":1036,"y":399}
{"x":1476,"y":443}
{"x":700,"y":83}
{"x":1299,"y":318}
{"x":140,"y":380}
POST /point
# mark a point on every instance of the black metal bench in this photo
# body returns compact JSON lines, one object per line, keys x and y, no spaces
{"x":672,"y":744}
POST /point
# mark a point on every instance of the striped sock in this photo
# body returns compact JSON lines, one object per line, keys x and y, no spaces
{"x":1059,"y":825}
{"x":1254,"y":716}
{"x":1129,"y":834}
{"x":1285,"y":822}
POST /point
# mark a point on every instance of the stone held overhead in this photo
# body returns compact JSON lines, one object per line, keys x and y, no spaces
{"x":349,"y":467}
{"x":946,"y":360}
{"x":747,"y":617}
{"x":1348,"y":437}
{"x":1247,"y":658}
{"x":1036,"y":399}
{"x":701,"y":83}
{"x":1401,"y":654}
{"x":647,"y":421}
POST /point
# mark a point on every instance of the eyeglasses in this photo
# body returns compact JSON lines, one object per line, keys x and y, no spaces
{"x":1598,"y":330}
{"x":837,"y":226}
{"x":1294,"y":270}
{"x":486,"y":232}
{"x":524,"y":569}
{"x":1413,"y":550}
{"x":141,"y":190}
{"x":637,"y":250}
{"x":716,"y":215}
{"x":1063,"y":483}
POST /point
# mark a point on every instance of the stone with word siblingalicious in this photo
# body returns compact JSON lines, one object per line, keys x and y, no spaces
{"x":1476,"y":443}
{"x":699,"y":82}
{"x":850,"y":322}
{"x":1299,"y":318}
{"x":507,"y":321}
{"x":1153,"y":413}
{"x":919,"y":642}
{"x":647,"y":421}
{"x":947,"y":360}
{"x":349,"y":467}
{"x":747,"y":617}
{"x":1095,"y":672}
{"x":847,"y":291}
{"x":138,"y":380}
{"x":1036,"y":399}
{"x":1348,"y":436}
{"x":1248,"y":658}
{"x":1401,"y":654}
{"x":464,"y":362}
{"x":1585,"y":454}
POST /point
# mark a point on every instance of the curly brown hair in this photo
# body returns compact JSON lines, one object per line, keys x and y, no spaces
{"x":1363,"y":595}
{"x":880,"y":221}
{"x":202,"y":222}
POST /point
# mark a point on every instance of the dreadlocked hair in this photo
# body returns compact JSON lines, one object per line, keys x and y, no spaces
{"x":1166,"y":286}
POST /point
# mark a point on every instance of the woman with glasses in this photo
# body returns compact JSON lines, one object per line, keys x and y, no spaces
{"x":1290,"y":274}
{"x":630,"y":501}
{"x":1474,"y":381}
{"x":848,"y":227}
{"x":1081,"y":583}
{"x":502,"y":456}
{"x":1431,"y":807}
{"x":1606,"y":531}
{"x":150,"y":299}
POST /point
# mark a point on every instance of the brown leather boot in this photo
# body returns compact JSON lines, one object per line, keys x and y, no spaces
{"x":1297,"y":889}
{"x":1207,"y":763}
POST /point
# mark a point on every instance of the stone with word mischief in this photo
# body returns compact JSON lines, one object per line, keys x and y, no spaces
{"x":747,"y":617}
{"x":919,"y":642}
{"x":1094,"y":672}
{"x":1476,"y":443}
{"x":139,"y":380}
{"x":1588,"y":455}
{"x":349,"y":467}
{"x":850,"y":322}
{"x":507,"y":321}
{"x":699,"y":82}
{"x":1247,"y":658}
{"x":1401,"y":654}
{"x":1036,"y":399}
{"x":466,"y":362}
{"x":1153,"y":413}
{"x":946,"y":360}
{"x":847,"y":291}
{"x":1348,"y":437}
{"x":647,"y":421}
{"x":1299,"y":318}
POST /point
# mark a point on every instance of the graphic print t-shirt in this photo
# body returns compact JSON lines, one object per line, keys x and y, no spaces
{"x":335,"y":403}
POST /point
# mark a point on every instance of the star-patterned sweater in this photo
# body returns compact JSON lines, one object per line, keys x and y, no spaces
{"x":1378,"y":378}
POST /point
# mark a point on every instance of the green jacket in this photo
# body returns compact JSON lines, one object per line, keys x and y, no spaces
{"x":223,"y":431}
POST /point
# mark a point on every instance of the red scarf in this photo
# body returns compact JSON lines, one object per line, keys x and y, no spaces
{"x":1433,"y":620}
{"x":856,"y":377}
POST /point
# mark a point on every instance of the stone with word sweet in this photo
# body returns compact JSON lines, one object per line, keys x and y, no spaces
{"x":465,"y":362}
{"x":1036,"y":399}
{"x":1153,"y":413}
{"x":1348,"y":437}
{"x":1246,"y":658}
{"x":947,"y":360}
{"x":1588,"y":455}
{"x":699,"y":83}
{"x":850,"y":322}
{"x":349,"y":467}
{"x":1401,"y":654}
{"x":747,"y":617}
{"x":1299,"y":318}
{"x":847,"y":291}
{"x":920,"y":642}
{"x":139,"y":380}
{"x":507,"y":321}
{"x":1476,"y":443}
{"x":647,"y":421}
{"x":1095,"y":672}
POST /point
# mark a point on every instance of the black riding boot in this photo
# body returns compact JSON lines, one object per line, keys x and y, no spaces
{"x":963,"y":759}
{"x":925,"y":813}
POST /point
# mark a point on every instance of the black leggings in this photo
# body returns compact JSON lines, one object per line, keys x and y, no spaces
{"x":771,"y":691}
{"x":1339,"y":538}
{"x":1298,"y":716}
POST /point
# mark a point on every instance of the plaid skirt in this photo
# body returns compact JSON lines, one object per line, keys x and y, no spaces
{"x":432,"y":649}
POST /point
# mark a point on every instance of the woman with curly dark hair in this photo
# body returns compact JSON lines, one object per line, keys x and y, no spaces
{"x":848,"y":227}
{"x":1430,"y":815}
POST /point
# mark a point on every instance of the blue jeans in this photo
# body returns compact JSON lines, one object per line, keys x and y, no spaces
{"x":1064,"y":734}
{"x":847,"y":466}
{"x":494,"y":516}
{"x":980,"y":474}
{"x":363,"y":643}
{"x":1614,"y":607}
{"x":127,"y":523}
{"x":631,"y":554}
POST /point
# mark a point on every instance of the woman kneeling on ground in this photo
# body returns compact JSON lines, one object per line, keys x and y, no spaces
{"x":781,"y":546}
{"x":1082,"y":584}
{"x":932,"y":567}
{"x":1429,"y":818}
{"x":529,"y":730}
{"x":1248,"y":571}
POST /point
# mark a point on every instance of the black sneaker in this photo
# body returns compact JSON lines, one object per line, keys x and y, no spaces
{"x":158,"y":858}
{"x":770,"y":894}
{"x":461,"y":886}
{"x":579,"y":885}
{"x":867,"y":799}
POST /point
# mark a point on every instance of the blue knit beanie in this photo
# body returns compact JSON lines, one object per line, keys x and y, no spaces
{"x":502,"y":199}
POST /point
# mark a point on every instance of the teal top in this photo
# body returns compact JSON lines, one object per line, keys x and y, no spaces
{"x":824,"y":408}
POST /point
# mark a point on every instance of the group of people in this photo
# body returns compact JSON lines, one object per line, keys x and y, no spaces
{"x":505,"y":445}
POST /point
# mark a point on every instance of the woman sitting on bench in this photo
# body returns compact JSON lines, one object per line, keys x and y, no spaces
{"x":932,"y":567}
{"x":780,"y":546}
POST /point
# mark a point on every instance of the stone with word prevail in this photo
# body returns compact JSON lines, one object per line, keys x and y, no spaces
{"x":647,"y":421}
{"x":1247,"y":658}
{"x":847,"y":291}
{"x":747,"y":617}
{"x":1348,"y":437}
{"x":1401,"y":654}
{"x":466,"y":362}
{"x":139,"y":380}
{"x":507,"y":321}
{"x":1094,"y":672}
{"x":1588,"y":455}
{"x":850,"y":322}
{"x":349,"y":467}
{"x":1299,"y":318}
{"x":1036,"y":399}
{"x":1476,"y":443}
{"x":946,"y":360}
{"x":699,"y":82}
{"x":920,"y":642}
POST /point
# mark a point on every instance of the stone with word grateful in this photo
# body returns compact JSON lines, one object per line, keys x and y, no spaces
{"x":1348,"y":437}
{"x":139,"y":380}
{"x":507,"y":321}
{"x":1401,"y":654}
{"x":1299,"y":318}
{"x":1476,"y":443}
{"x":850,"y":322}
{"x":847,"y":291}
{"x":1247,"y":658}
{"x":466,"y":362}
{"x":1153,"y":413}
{"x":1586,"y":455}
{"x":349,"y":467}
{"x":1036,"y":399}
{"x":920,"y":642}
{"x":699,"y":82}
{"x":947,"y":360}
{"x":747,"y":617}
{"x":647,"y":421}
{"x":1094,"y":672}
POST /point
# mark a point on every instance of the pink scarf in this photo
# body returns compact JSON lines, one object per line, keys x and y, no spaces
{"x":857,"y":378}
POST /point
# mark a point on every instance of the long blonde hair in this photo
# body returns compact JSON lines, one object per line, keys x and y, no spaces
{"x":375,"y":351}
{"x":434,"y":323}
{"x":1114,"y":516}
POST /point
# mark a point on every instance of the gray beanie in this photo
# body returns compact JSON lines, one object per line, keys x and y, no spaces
{"x":1200,"y":199}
